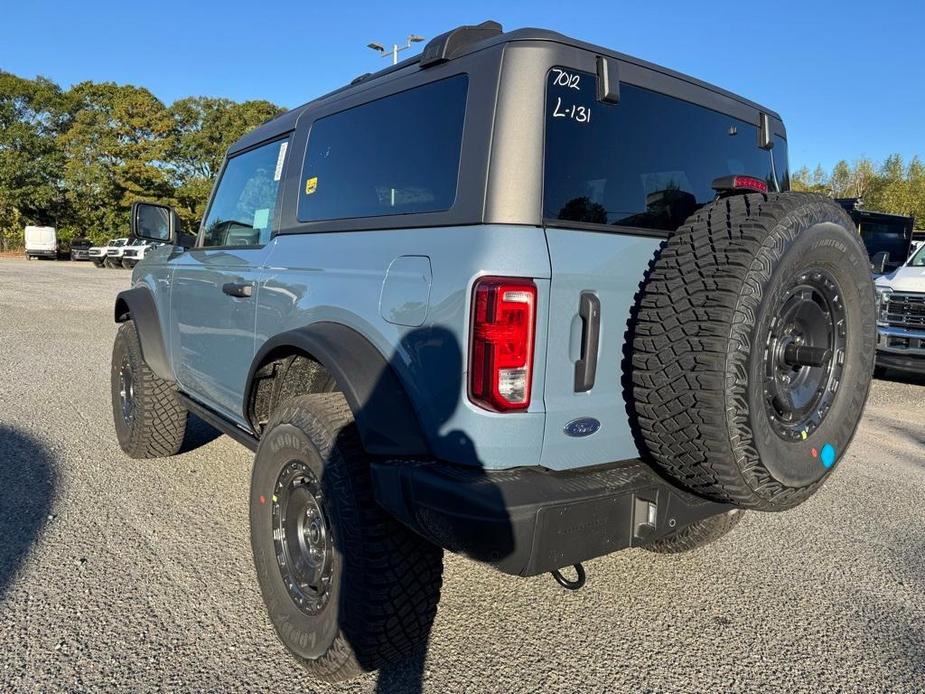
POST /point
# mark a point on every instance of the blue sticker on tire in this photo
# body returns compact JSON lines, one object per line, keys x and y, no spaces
{"x":827,"y":455}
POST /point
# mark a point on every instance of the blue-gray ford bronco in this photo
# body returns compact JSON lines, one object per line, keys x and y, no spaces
{"x":521,"y":298}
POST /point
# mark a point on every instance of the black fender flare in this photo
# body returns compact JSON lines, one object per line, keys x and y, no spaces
{"x":385,"y":418}
{"x":138,"y":305}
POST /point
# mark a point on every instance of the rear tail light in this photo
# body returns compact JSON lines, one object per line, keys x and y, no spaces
{"x":501,"y":350}
{"x":727,"y":184}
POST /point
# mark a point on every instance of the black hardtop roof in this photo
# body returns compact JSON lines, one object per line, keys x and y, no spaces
{"x":286,"y":121}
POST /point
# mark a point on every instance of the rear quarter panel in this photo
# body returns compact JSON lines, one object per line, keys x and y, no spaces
{"x":340,"y":276}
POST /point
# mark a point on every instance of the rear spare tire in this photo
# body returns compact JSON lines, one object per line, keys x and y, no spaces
{"x":753,"y":348}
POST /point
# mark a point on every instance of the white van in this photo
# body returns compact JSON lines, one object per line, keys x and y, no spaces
{"x":41,"y":242}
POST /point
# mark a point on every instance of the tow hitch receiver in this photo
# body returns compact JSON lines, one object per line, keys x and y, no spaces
{"x":577,"y":584}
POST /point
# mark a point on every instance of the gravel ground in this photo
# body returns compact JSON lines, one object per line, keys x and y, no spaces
{"x":126,"y":574}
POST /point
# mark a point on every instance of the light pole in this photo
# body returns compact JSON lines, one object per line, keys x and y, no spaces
{"x":396,"y":49}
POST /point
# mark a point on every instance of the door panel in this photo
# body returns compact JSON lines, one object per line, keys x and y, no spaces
{"x":214,"y":302}
{"x":213,"y":338}
{"x":608,"y":267}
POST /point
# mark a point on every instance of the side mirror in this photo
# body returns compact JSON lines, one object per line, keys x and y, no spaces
{"x":159,"y":223}
{"x":878,"y":262}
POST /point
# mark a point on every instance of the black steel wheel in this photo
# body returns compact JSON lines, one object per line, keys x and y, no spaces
{"x":127,"y":390}
{"x":804,"y":354}
{"x":347,"y":587}
{"x":302,"y":537}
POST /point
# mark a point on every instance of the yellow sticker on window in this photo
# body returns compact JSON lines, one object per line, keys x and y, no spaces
{"x":311,"y":185}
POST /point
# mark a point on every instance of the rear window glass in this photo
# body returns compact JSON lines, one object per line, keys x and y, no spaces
{"x":648,"y":161}
{"x":397,"y":155}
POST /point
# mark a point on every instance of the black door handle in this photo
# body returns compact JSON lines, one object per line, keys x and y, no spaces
{"x":239,"y":289}
{"x":589,"y":308}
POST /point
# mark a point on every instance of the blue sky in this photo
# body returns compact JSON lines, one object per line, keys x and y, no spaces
{"x":848,"y":77}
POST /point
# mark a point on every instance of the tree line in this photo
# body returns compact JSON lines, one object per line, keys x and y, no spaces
{"x":77,"y":158}
{"x":892,"y":186}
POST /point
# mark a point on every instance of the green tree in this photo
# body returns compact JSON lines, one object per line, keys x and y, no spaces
{"x":33,"y":113}
{"x":115,"y":153}
{"x":203,"y":129}
{"x":841,"y":181}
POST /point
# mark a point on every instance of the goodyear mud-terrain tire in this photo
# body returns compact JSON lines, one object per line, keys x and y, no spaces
{"x":753,"y":348}
{"x":150,"y":421}
{"x":346,"y":587}
{"x":698,"y":533}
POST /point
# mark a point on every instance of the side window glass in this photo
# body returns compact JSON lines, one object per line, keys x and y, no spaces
{"x":396,"y":155}
{"x":244,"y":206}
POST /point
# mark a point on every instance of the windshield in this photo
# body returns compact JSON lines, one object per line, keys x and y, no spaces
{"x":118,"y":242}
{"x":918,"y":260}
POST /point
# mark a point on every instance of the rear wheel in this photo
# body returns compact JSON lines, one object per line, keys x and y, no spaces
{"x":753,"y":349}
{"x":150,"y":421}
{"x":347,"y":588}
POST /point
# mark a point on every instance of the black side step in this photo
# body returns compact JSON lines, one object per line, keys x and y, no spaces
{"x":214,"y":419}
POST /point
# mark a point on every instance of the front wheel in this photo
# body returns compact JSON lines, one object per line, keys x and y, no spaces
{"x":347,"y":588}
{"x":150,"y":421}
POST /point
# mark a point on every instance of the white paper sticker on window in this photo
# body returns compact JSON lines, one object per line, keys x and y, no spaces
{"x":262,"y":218}
{"x":279,"y":161}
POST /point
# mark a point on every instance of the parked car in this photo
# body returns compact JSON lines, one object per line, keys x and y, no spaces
{"x":521,"y":298}
{"x":114,"y":252}
{"x":901,"y":317}
{"x":98,"y":253}
{"x":135,"y":252}
{"x":41,"y":242}
{"x":80,"y":248}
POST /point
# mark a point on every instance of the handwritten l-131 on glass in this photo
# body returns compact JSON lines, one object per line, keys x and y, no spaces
{"x":579,"y":114}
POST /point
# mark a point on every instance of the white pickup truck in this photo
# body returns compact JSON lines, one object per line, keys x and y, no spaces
{"x":901,"y":316}
{"x":135,"y":252}
{"x":109,"y":254}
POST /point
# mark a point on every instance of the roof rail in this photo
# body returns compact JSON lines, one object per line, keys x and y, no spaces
{"x":451,"y":44}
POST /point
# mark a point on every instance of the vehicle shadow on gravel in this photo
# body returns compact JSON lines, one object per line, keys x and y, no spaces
{"x":28,"y":483}
{"x":439,"y":350}
{"x":885,"y":624}
{"x":915,"y":379}
{"x":198,"y":433}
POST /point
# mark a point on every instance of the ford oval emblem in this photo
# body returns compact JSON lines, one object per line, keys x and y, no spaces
{"x":583,"y":426}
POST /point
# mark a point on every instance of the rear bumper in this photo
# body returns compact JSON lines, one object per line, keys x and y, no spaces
{"x":526,"y":521}
{"x":42,"y":253}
